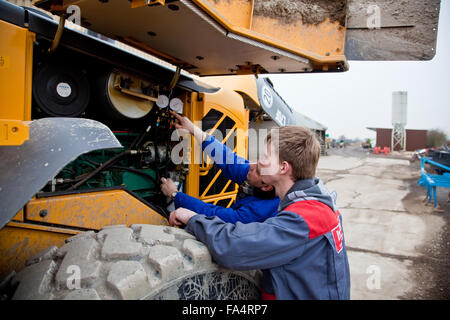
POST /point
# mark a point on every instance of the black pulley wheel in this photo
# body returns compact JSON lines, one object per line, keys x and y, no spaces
{"x":61,"y":90}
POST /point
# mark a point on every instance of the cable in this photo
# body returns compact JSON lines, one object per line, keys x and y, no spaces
{"x":138,"y":140}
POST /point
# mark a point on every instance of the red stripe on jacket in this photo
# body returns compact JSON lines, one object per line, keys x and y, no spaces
{"x":319,"y":217}
{"x":267,"y":296}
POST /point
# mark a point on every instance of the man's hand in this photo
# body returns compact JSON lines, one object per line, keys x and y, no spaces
{"x":168,"y":187}
{"x":184,"y":123}
{"x":180,"y":217}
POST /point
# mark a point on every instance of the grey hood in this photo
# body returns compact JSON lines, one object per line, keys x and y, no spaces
{"x":309,"y":189}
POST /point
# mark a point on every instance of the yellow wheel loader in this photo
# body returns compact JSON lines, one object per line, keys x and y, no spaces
{"x":86,"y":134}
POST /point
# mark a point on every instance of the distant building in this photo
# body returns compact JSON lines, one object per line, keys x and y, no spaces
{"x":415,"y":139}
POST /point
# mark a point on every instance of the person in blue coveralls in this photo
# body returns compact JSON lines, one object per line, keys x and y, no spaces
{"x":255,"y":202}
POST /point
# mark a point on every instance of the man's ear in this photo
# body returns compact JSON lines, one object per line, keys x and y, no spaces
{"x":285,"y":168}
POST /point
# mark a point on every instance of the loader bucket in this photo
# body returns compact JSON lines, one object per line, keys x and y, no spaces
{"x":384,"y":30}
{"x":222,"y":37}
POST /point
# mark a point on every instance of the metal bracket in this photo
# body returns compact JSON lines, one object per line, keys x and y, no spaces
{"x":13,"y":132}
{"x":142,"y":96}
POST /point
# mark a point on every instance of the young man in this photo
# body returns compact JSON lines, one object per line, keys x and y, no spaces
{"x":301,"y":250}
{"x":256,"y":201}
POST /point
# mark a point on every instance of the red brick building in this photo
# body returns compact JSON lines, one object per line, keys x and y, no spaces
{"x":415,"y":139}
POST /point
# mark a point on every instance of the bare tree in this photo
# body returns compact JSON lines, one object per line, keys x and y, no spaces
{"x":436,"y":138}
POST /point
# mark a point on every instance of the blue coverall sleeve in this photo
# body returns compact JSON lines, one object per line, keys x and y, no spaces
{"x":242,"y":214}
{"x":269,"y":244}
{"x":235,"y":168}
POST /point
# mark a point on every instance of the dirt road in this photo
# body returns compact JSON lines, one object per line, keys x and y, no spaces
{"x":398,"y":248}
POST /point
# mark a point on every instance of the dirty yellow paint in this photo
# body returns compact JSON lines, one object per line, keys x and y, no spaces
{"x":92,"y":210}
{"x":323,"y":43}
{"x":20,"y":242}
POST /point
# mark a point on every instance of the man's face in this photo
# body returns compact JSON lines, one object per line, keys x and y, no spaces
{"x":269,"y":165}
{"x":255,"y":180}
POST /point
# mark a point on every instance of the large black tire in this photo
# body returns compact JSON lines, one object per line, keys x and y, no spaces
{"x":140,"y":262}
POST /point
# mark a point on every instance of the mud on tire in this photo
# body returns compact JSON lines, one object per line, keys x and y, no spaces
{"x":140,"y":262}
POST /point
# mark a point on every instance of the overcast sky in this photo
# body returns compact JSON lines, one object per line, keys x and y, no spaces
{"x":349,"y":102}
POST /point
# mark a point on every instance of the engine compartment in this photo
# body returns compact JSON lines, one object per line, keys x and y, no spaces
{"x":135,"y":108}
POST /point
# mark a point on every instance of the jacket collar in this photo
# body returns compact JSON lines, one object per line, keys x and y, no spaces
{"x":309,"y":189}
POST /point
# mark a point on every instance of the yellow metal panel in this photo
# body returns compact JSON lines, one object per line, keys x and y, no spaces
{"x":230,"y":104}
{"x":210,"y":184}
{"x":326,"y":39}
{"x":92,"y":210}
{"x":19,"y":216}
{"x":242,"y":83}
{"x":38,"y":227}
{"x":216,"y":199}
{"x":16,"y":52}
{"x":237,"y":12}
{"x":225,"y":101}
{"x":323,"y":43}
{"x":13,"y":132}
{"x":194,"y":111}
{"x":20,"y":242}
{"x":206,"y":165}
{"x":220,"y":196}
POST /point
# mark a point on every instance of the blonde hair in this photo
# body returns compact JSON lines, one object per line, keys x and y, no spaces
{"x":299,"y":146}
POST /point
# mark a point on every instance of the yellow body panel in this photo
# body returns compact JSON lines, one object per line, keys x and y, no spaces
{"x":325,"y":40}
{"x":92,"y":210}
{"x":230,"y":104}
{"x":16,"y":59}
{"x":20,"y":217}
{"x":21,"y":241}
{"x":15,"y":72}
{"x":239,"y":83}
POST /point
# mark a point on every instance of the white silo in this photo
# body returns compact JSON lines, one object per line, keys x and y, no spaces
{"x":399,"y":119}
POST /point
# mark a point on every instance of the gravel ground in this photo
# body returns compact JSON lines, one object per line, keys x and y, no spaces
{"x":411,"y":240}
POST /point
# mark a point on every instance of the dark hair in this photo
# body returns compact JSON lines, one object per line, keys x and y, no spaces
{"x":257,"y":192}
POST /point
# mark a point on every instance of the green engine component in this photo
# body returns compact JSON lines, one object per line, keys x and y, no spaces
{"x":131,"y":172}
{"x":140,"y":184}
